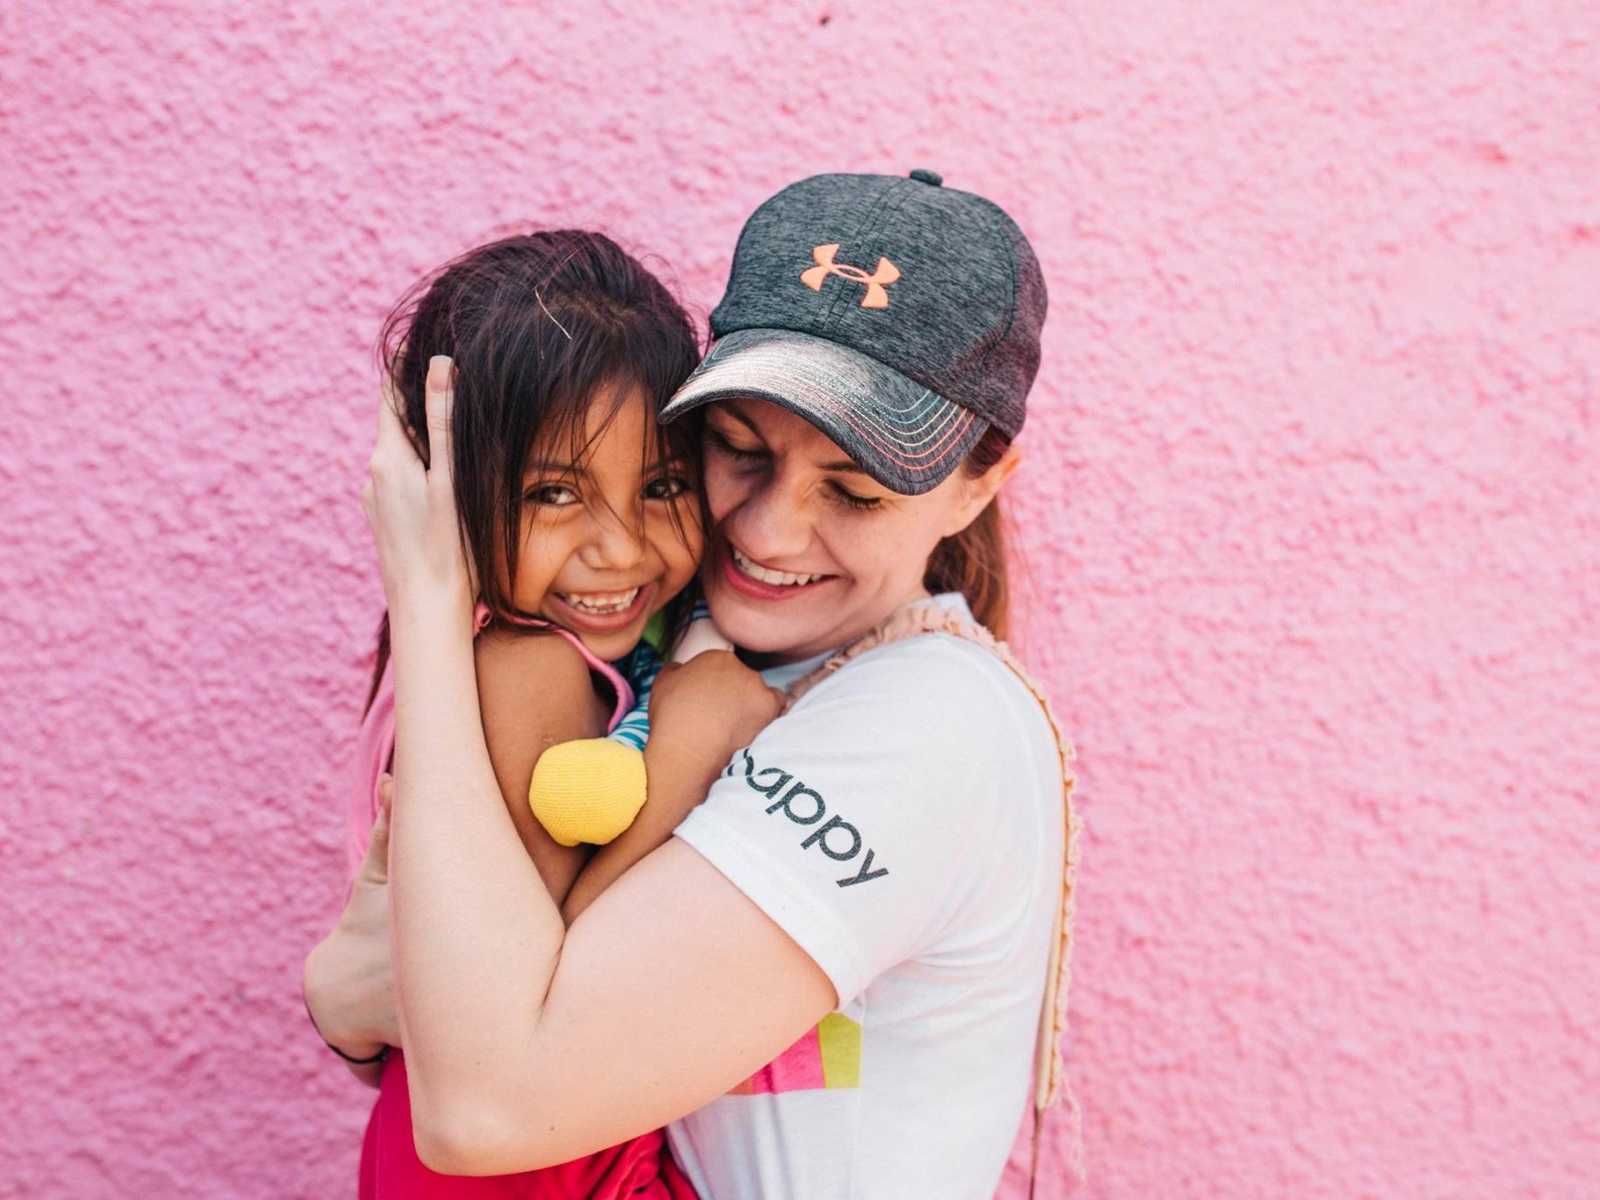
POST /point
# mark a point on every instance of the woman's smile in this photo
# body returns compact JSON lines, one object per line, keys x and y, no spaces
{"x":792,"y":519}
{"x":763,"y":582}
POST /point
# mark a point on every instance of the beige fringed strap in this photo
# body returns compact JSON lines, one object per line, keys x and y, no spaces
{"x":1049,"y":1081}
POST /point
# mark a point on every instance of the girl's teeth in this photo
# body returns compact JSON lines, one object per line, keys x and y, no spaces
{"x":600,"y":602}
{"x":768,"y":575}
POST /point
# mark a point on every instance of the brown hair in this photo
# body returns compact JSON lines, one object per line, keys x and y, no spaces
{"x":973,"y":562}
{"x":537,"y":325}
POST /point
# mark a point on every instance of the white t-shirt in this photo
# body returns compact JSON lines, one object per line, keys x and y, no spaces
{"x":903,"y":825}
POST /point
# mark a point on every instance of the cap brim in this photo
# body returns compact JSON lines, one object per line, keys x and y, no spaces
{"x":902,"y":434}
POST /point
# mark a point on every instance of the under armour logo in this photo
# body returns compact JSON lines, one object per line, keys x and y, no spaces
{"x":877,"y":283}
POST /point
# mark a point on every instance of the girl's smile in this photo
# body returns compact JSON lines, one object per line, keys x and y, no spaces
{"x":602,"y":613}
{"x":609,"y":534}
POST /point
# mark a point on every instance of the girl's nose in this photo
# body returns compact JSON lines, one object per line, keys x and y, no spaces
{"x":617,"y":543}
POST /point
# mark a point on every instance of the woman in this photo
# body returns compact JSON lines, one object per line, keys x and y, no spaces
{"x":836,"y":966}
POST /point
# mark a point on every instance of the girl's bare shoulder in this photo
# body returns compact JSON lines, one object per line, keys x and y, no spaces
{"x":538,"y":674}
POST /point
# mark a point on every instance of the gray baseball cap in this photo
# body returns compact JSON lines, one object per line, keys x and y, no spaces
{"x":898,"y":316}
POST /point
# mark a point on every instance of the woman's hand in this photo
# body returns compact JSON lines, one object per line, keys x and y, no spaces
{"x":349,"y":977}
{"x":713,"y":703}
{"x":411,"y":505}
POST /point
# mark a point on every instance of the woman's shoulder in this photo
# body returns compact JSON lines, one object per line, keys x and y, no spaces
{"x":943,"y":715}
{"x":947,"y":682}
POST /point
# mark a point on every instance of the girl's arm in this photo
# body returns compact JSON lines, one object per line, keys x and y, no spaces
{"x":674,"y":788}
{"x":535,"y":692}
{"x":528,"y":1044}
{"x":678,"y":779}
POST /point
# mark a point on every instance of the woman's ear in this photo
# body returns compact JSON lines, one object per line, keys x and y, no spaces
{"x":979,"y":490}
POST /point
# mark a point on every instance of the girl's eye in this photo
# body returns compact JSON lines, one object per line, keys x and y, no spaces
{"x":667,"y":487}
{"x":851,"y":500}
{"x":724,"y":446}
{"x":555,"y":495}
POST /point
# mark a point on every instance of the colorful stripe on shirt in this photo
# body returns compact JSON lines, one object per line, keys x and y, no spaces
{"x":641,"y":668}
{"x":827,"y":1057}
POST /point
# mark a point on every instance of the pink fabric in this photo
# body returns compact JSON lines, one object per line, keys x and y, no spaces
{"x":390,"y":1168}
{"x":375,"y":739}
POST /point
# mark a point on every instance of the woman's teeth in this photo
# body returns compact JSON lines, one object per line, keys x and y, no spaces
{"x":768,"y":575}
{"x":600,"y":603}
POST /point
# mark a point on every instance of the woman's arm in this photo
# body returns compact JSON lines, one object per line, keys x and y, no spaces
{"x":527,"y":1044}
{"x":517,"y":1029}
{"x":348,"y":976}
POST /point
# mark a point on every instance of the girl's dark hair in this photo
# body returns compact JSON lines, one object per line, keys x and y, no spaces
{"x":973,"y":562}
{"x":538,"y":325}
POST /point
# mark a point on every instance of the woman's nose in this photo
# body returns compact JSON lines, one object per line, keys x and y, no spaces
{"x":771,"y":525}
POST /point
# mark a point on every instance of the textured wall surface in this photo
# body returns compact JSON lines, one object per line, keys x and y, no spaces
{"x":1311,"y":522}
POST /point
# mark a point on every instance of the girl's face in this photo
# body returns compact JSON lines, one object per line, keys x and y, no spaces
{"x":608,"y":541}
{"x":806,"y":552}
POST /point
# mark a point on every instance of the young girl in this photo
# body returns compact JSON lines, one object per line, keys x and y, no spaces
{"x":582,"y":523}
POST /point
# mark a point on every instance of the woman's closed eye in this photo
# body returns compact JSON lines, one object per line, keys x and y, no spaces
{"x":722,"y":444}
{"x":849,"y":499}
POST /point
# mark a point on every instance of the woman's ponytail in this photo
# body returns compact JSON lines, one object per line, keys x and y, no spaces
{"x":973,"y":562}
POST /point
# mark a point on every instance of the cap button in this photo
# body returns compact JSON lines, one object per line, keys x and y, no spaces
{"x":931,"y":178}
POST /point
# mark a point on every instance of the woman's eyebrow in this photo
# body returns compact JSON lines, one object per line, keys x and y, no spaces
{"x":742,"y":419}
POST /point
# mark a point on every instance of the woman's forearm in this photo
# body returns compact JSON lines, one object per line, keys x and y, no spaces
{"x":507,"y":1054}
{"x":476,"y":935}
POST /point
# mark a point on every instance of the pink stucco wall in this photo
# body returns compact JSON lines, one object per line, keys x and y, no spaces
{"x":1311,"y":519}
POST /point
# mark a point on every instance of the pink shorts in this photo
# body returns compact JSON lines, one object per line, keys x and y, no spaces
{"x":641,"y":1169}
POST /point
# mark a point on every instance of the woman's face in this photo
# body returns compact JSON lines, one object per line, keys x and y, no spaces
{"x":805,"y":551}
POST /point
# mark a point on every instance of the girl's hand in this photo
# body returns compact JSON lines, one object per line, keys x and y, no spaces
{"x":349,"y":977}
{"x":411,"y":506}
{"x":713,"y":703}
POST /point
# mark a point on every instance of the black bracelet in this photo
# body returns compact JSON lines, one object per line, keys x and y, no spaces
{"x":383,"y":1052}
{"x":357,"y":1062}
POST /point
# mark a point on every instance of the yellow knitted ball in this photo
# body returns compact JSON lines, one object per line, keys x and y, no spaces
{"x":587,"y":791}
